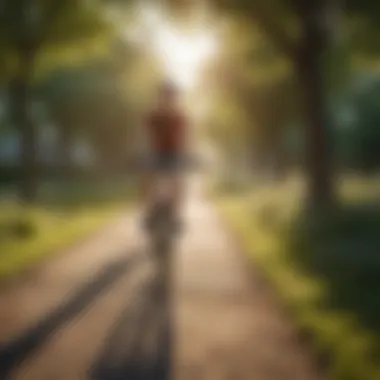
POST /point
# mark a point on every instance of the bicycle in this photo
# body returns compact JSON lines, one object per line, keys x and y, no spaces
{"x":163,"y":229}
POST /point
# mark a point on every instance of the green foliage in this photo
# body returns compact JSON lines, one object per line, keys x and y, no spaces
{"x":31,"y":26}
{"x":275,"y":18}
{"x":77,"y":23}
{"x":17,"y":229}
{"x":10,"y":175}
{"x":370,"y":9}
{"x":342,"y":248}
{"x":100,"y":100}
{"x":325,"y":267}
{"x":66,"y":211}
{"x":358,"y":136}
{"x":355,"y":133}
{"x":32,"y":23}
{"x":253,"y":96}
{"x":364,"y":40}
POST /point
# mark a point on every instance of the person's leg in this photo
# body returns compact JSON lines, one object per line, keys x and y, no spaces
{"x":177,"y":188}
{"x":177,"y":197}
{"x":148,"y":184}
{"x":147,"y":187}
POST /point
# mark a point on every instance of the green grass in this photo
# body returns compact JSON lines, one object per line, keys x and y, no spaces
{"x":63,"y":213}
{"x":326,"y":268}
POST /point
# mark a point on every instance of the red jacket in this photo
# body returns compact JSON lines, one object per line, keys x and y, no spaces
{"x":167,"y":131}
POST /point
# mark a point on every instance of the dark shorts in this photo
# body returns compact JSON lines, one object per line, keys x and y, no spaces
{"x":166,"y":162}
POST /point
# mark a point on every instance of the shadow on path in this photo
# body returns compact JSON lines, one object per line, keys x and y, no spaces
{"x":140,"y":345}
{"x":21,"y":348}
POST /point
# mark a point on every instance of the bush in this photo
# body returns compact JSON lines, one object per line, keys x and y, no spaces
{"x":17,"y":229}
{"x":14,"y":174}
{"x":343,"y":247}
{"x":357,"y":137}
{"x":325,"y":267}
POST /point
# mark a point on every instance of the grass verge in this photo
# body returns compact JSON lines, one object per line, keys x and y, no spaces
{"x":61,"y":217}
{"x":325,"y":269}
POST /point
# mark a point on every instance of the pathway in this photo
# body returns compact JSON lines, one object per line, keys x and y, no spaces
{"x":98,"y":312}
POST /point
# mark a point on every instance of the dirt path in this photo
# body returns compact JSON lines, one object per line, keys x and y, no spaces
{"x":229,"y":327}
{"x":99,"y":312}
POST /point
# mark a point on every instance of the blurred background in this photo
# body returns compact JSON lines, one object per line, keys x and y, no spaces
{"x":284,"y":99}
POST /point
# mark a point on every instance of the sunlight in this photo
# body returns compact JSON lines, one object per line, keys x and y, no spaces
{"x":183,"y":55}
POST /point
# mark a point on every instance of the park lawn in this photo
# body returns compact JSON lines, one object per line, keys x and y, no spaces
{"x":325,"y":268}
{"x":63,"y":214}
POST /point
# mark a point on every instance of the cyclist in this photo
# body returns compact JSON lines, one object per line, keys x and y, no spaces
{"x":167,"y":134}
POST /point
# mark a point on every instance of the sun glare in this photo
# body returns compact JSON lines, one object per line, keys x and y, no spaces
{"x":182,"y":55}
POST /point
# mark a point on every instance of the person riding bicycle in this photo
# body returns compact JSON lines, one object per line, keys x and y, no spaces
{"x":167,"y":134}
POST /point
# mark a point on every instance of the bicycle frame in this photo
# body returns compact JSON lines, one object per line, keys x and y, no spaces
{"x":163,"y":233}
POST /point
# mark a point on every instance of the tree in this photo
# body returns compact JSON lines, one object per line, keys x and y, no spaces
{"x":365,"y":31}
{"x":84,"y":103}
{"x":27,"y":29}
{"x":253,"y":77}
{"x":299,"y":31}
{"x":101,"y":101}
{"x":62,"y":92}
{"x":357,"y":132}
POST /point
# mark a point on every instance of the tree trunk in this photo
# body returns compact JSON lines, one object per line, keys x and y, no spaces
{"x":310,"y":67}
{"x":20,"y":95}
